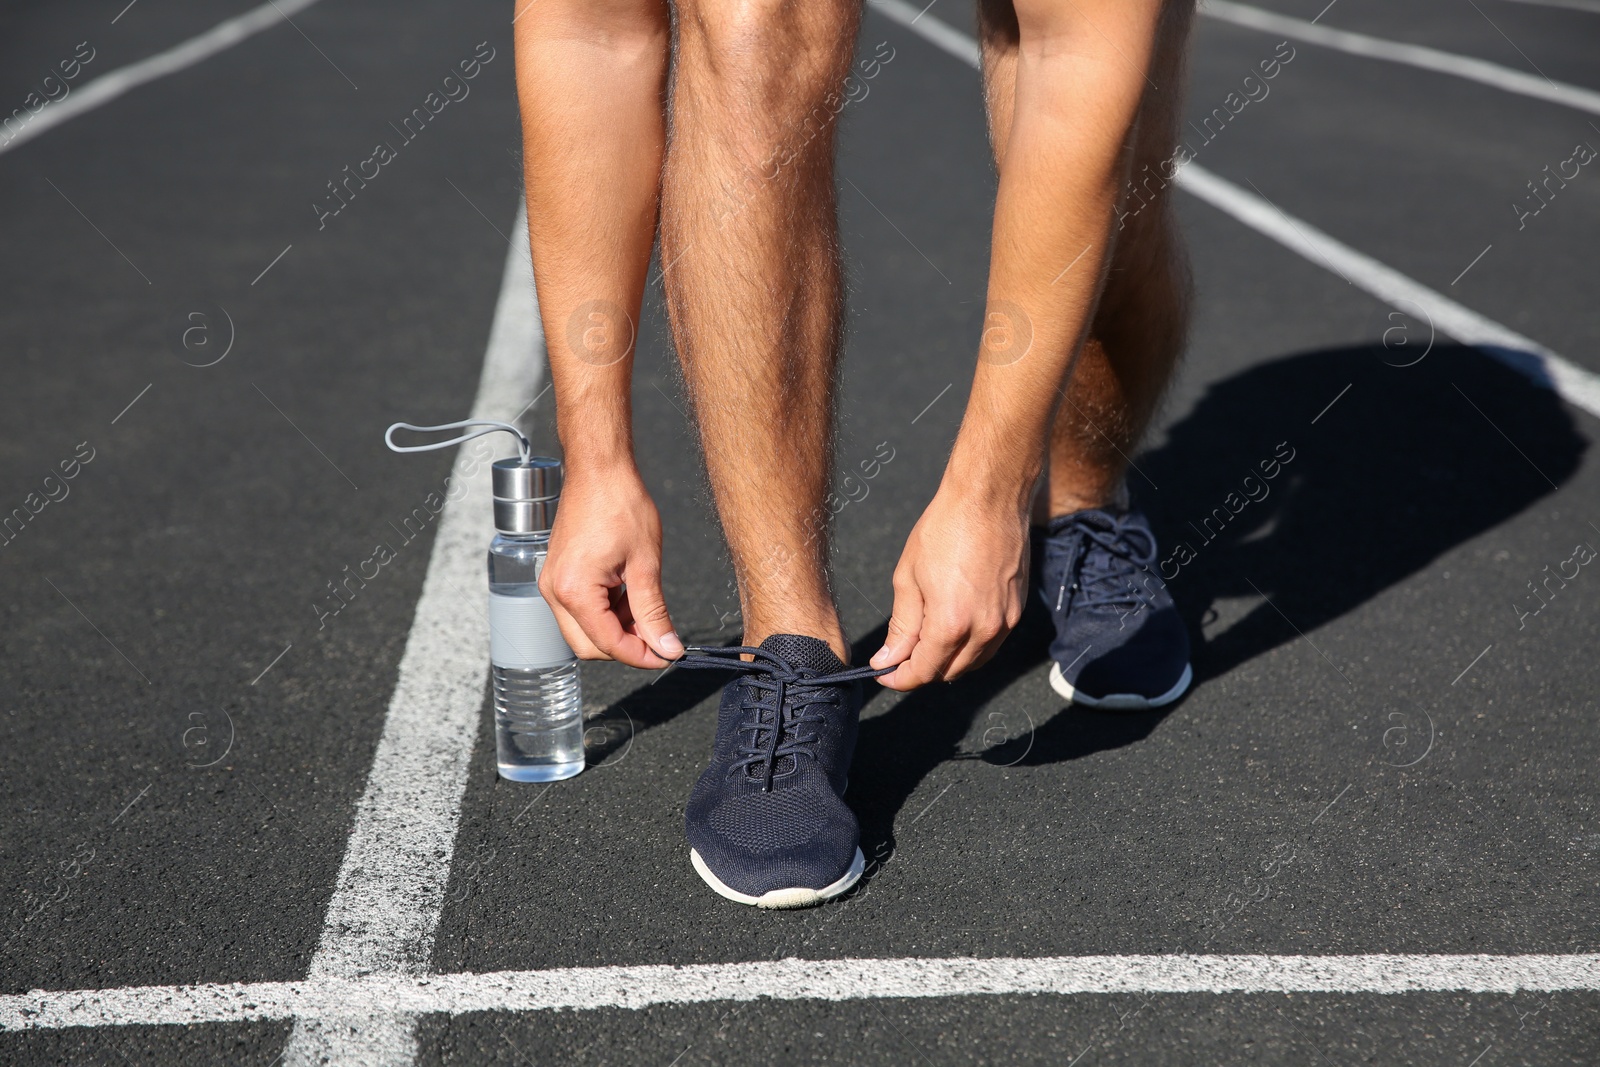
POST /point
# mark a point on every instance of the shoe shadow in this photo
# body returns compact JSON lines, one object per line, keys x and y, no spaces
{"x":1399,"y":470}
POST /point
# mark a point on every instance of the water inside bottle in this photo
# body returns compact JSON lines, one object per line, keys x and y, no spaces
{"x":538,"y":715}
{"x":538,"y":730}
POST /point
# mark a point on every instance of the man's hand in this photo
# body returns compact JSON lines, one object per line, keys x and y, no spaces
{"x":603,"y":575}
{"x":958,"y":591}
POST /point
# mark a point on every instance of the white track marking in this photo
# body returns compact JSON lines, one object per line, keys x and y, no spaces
{"x":1524,"y":355}
{"x":368,"y":982}
{"x":1542,"y":366}
{"x":1412,"y":55}
{"x":961,"y":45}
{"x":351,"y":1001}
{"x":391,"y":886}
{"x":1591,"y":6}
{"x":108,"y":87}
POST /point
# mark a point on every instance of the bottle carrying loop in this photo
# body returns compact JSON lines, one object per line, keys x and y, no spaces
{"x":524,"y":445}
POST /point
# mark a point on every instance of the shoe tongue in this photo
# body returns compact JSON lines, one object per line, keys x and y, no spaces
{"x":806,"y":653}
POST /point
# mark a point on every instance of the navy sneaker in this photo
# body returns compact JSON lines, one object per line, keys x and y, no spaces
{"x":767,"y":822}
{"x":1119,"y":641}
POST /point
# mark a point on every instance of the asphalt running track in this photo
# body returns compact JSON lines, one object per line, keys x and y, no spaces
{"x":1368,"y":834}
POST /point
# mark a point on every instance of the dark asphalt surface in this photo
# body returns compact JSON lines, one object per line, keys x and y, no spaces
{"x":165,"y":820}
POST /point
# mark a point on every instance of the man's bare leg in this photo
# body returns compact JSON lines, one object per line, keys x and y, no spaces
{"x":591,"y":80}
{"x":749,"y":244}
{"x":1139,"y":325}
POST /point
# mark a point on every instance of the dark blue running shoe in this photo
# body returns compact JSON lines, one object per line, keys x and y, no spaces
{"x":1119,"y":641}
{"x":767,"y":821}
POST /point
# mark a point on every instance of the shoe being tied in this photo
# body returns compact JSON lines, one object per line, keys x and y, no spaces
{"x":767,"y":822}
{"x":1120,"y":643}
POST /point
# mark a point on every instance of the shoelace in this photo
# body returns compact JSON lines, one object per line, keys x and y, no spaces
{"x":769,"y":672}
{"x":1114,"y":586}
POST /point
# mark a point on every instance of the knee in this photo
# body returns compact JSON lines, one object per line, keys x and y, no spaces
{"x":615,"y":25}
{"x":782,"y":51}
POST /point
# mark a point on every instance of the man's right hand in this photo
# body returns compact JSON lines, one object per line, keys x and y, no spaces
{"x":603,"y":575}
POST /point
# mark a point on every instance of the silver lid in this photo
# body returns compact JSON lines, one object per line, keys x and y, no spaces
{"x":526,"y":494}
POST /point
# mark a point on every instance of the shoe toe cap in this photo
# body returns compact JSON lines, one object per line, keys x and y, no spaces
{"x":756,"y":842}
{"x":1147,"y":662}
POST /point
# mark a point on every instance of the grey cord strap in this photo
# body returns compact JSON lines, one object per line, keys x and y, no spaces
{"x":523,"y":444}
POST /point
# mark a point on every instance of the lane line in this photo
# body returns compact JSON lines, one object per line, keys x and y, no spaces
{"x":961,"y":45}
{"x":391,"y":886}
{"x":1411,"y":55}
{"x":371,"y":963}
{"x":108,"y":87}
{"x":1524,"y":355}
{"x":351,"y":1000}
{"x":1591,"y":6}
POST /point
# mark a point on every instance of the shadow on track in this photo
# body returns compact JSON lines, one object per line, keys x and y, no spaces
{"x":1398,"y":470}
{"x":1408,"y":464}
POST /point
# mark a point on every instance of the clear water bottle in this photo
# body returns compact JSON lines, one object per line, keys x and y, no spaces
{"x":538,"y":703}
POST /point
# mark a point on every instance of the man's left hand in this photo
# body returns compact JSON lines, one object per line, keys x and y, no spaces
{"x":958,"y":591}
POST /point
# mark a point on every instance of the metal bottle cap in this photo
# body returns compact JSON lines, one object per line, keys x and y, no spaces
{"x":526,"y":494}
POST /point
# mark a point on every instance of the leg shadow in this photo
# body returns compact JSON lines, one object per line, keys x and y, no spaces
{"x":1406,"y":464}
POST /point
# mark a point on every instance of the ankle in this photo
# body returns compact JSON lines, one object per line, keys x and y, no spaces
{"x":1064,"y":500}
{"x":824,"y":628}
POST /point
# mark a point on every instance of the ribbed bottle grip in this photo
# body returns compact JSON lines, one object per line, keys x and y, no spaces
{"x":523,"y":634}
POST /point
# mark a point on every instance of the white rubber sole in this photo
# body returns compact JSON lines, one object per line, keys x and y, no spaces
{"x":1119,"y":701}
{"x":799,"y":897}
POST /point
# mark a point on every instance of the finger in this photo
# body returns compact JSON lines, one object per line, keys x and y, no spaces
{"x":573,"y":634}
{"x":939,"y":639}
{"x":934,"y":650}
{"x":904,"y":625}
{"x":649,"y":610}
{"x":555,"y":594}
{"x":987,"y":634}
{"x":590,"y":607}
{"x":980,"y":647}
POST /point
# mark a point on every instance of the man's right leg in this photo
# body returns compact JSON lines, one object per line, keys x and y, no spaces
{"x":1119,"y":639}
{"x":591,"y":79}
{"x":1141,"y":322}
{"x":749,"y":246}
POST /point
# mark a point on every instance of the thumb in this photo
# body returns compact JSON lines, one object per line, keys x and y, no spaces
{"x":904,"y":627}
{"x":649,"y":610}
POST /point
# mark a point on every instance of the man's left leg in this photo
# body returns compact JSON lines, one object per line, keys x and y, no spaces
{"x":1120,"y":642}
{"x":749,"y":243}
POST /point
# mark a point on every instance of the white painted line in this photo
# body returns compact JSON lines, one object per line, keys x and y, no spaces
{"x":391,"y":886}
{"x":1412,"y":55}
{"x":1528,"y":357}
{"x":1591,"y":6}
{"x":108,"y":87}
{"x":961,"y":45}
{"x":352,"y":1000}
